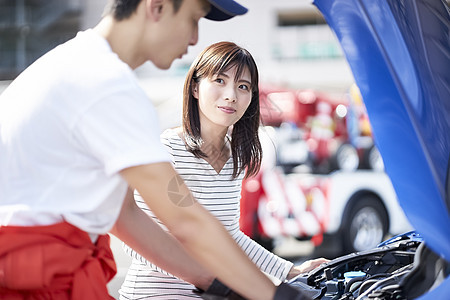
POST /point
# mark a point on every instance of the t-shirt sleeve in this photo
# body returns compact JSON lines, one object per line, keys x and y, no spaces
{"x":121,"y":131}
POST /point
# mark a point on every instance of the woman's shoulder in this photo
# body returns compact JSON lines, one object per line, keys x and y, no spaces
{"x":172,"y":134}
{"x":172,"y":138}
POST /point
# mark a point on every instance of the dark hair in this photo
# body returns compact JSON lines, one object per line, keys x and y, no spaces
{"x":245,"y":144}
{"x":123,"y":9}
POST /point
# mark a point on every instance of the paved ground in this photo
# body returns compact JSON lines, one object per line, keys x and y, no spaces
{"x":123,"y":261}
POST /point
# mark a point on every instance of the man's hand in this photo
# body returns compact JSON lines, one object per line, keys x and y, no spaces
{"x":218,"y":291}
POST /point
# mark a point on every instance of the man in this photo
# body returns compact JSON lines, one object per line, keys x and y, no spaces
{"x":75,"y":131}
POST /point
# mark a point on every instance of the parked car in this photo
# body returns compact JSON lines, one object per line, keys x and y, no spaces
{"x":399,"y":52}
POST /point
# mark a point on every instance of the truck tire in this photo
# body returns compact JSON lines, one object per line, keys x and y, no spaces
{"x":346,"y":158}
{"x":372,"y":159}
{"x":365,"y":224}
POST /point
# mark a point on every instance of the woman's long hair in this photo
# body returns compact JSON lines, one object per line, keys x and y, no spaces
{"x":245,"y":146}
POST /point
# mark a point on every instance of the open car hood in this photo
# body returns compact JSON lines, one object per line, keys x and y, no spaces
{"x":399,"y":53}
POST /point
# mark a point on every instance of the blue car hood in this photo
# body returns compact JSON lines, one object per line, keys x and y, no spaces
{"x":399,"y":53}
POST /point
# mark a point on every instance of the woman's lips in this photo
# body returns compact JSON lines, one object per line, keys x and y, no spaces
{"x":228,"y":110}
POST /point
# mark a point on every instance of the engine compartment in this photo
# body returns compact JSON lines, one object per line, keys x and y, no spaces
{"x":400,"y":268}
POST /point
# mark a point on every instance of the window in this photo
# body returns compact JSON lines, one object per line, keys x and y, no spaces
{"x":304,"y":34}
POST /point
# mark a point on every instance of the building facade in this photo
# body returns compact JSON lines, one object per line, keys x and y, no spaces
{"x":289,"y":39}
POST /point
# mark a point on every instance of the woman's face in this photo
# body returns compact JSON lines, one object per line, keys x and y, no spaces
{"x":223,"y":99}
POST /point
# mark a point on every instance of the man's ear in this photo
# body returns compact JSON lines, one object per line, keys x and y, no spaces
{"x":154,"y":8}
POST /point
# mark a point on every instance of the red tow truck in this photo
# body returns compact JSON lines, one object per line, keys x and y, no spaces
{"x":313,"y":183}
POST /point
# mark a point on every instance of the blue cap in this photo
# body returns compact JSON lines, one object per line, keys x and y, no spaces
{"x":222,"y":10}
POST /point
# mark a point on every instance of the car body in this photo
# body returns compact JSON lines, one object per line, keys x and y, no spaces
{"x":399,"y":53}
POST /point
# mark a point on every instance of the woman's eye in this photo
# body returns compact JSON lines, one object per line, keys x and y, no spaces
{"x":219,"y":80}
{"x":244,"y":87}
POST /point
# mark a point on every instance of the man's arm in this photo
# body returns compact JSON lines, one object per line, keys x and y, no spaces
{"x":138,"y":230}
{"x":202,"y":235}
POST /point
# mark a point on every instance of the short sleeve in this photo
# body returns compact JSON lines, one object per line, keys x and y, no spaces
{"x":121,"y":131}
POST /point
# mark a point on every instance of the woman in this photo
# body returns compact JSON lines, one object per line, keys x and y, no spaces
{"x":214,"y":149}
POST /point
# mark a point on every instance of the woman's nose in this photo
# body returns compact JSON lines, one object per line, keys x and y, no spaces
{"x":230,"y":95}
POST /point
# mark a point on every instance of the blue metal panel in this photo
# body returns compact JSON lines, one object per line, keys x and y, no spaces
{"x":440,"y":292}
{"x":399,"y":53}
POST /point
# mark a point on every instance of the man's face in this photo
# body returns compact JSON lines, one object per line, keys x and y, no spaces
{"x":177,"y":31}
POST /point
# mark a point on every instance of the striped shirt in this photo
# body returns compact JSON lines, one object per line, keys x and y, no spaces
{"x":218,"y":193}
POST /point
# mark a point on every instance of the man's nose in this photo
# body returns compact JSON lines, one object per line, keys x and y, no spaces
{"x":194,"y":38}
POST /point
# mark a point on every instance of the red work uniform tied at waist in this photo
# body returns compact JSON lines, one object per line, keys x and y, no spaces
{"x":54,"y":262}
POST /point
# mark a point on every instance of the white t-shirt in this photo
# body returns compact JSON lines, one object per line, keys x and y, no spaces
{"x":68,"y":125}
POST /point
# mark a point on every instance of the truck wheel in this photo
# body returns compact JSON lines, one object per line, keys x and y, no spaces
{"x":364,"y":224}
{"x":372,"y":159}
{"x":346,"y":158}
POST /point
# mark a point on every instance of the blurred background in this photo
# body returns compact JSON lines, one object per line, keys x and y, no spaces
{"x":288,"y":38}
{"x":322,"y":190}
